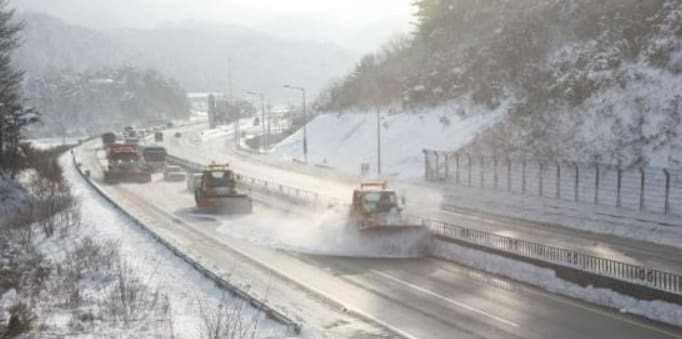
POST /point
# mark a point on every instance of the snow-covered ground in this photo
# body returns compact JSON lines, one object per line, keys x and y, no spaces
{"x":188,"y":291}
{"x":345,"y":141}
{"x":545,"y":278}
{"x":46,"y":143}
{"x":649,"y":227}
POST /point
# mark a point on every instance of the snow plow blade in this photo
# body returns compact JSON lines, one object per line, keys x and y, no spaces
{"x":398,"y":240}
{"x":239,"y":204}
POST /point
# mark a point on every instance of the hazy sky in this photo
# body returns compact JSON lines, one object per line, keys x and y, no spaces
{"x":147,"y":13}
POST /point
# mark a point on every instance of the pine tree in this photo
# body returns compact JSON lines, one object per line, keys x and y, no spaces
{"x":13,"y":116}
{"x":428,"y":16}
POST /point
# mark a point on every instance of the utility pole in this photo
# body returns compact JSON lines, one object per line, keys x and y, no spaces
{"x":269,"y":115}
{"x":262,"y":120}
{"x":305,"y":122}
{"x":378,"y":141}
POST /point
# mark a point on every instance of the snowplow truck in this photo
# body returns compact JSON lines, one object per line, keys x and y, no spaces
{"x":217,"y":192}
{"x":124,"y":165}
{"x":375,"y":207}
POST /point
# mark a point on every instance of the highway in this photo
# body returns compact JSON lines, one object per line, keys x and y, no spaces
{"x":424,"y":202}
{"x":368,"y":297}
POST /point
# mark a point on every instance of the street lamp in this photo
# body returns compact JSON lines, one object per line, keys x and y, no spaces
{"x":262,"y":107}
{"x":305,"y":122}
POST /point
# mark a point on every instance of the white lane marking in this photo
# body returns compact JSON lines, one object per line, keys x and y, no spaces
{"x":446,"y":299}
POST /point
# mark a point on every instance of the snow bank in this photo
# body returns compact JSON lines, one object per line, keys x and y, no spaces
{"x":345,"y":141}
{"x":545,"y":278}
{"x":47,"y":143}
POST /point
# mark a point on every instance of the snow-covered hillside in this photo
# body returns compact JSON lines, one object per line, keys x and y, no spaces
{"x":345,"y":141}
{"x":591,"y":80}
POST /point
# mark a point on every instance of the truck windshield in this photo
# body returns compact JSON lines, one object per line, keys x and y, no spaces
{"x":154,"y":155}
{"x":379,"y":201}
{"x":220,"y":179}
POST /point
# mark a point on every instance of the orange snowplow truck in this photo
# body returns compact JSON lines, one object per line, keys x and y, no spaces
{"x":375,"y":206}
{"x":124,"y":165}
{"x":217,"y":191}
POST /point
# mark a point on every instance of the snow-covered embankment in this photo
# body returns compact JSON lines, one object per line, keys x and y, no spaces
{"x":345,"y":141}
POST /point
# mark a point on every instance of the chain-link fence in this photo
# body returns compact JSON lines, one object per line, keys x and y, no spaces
{"x":656,"y":190}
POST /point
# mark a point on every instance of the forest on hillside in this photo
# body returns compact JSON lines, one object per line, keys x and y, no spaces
{"x":91,"y":102}
{"x":584,"y":80}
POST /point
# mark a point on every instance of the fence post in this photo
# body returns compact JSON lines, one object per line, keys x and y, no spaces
{"x":667,"y":191}
{"x":558,"y":180}
{"x":523,"y":177}
{"x":619,"y":180}
{"x":577,"y":182}
{"x":469,"y":164}
{"x":457,"y":164}
{"x":541,"y":166}
{"x":641,"y":188}
{"x":482,"y":174}
{"x":437,"y":176}
{"x":446,"y":158}
{"x":495,"y":172}
{"x":596,"y":185}
{"x":426,"y":165}
{"x":508,"y":175}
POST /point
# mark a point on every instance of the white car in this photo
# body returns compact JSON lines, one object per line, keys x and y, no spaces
{"x":173,"y":173}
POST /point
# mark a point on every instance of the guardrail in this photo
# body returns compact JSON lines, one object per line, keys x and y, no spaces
{"x":648,"y":277}
{"x":552,"y":256}
{"x":256,"y":183}
{"x":291,"y":325}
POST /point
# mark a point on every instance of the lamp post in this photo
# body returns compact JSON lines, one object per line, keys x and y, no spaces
{"x":305,"y":122}
{"x":378,"y":141}
{"x":262,"y":122}
{"x":231,"y":103}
